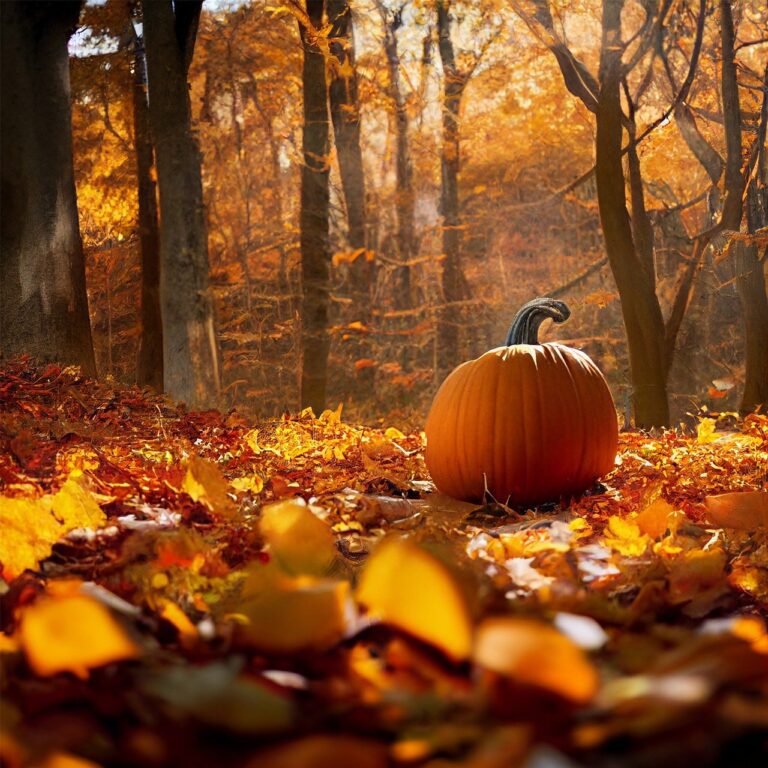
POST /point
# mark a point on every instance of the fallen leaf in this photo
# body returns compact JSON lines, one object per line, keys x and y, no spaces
{"x":746,"y":510}
{"x":32,"y":526}
{"x":299,"y":541}
{"x":69,"y":632}
{"x":406,"y":585}
{"x":531,"y":652}
{"x":205,"y":483}
{"x":657,"y":518}
{"x":282,"y":614}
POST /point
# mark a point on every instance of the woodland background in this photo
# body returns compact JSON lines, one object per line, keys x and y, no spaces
{"x":478,"y":124}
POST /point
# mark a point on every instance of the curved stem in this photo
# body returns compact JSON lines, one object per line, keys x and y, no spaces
{"x":525,"y":326}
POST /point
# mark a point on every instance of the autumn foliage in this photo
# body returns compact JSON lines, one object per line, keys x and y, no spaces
{"x":194,"y":588}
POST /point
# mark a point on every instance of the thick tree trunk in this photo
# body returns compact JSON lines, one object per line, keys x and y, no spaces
{"x":405,"y":198}
{"x":43,"y":300}
{"x":640,"y":307}
{"x":190,"y":351}
{"x":315,"y":250}
{"x":345,"y":113}
{"x":751,"y":277}
{"x":750,"y":282}
{"x":149,"y":369}
{"x":453,"y":283}
{"x":750,"y":274}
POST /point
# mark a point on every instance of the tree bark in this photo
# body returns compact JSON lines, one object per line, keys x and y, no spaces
{"x":704,"y":152}
{"x":751,"y":277}
{"x":345,"y":113}
{"x":315,"y":250}
{"x":734,"y":183}
{"x":43,"y":299}
{"x":750,"y":283}
{"x":404,"y":196}
{"x":190,"y":350}
{"x":453,"y":283}
{"x":643,"y":320}
{"x":149,"y":369}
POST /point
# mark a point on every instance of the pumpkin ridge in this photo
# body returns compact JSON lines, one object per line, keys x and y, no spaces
{"x":460,"y":445}
{"x":499,"y":451}
{"x":579,"y":471}
{"x":543,"y":425}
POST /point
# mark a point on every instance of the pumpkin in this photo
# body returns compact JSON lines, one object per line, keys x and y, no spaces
{"x":526,"y":422}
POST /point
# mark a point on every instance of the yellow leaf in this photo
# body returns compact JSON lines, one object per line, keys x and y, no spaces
{"x":74,"y":507}
{"x":32,"y":526}
{"x":205,"y":483}
{"x":248,"y":483}
{"x":252,"y":439}
{"x":533,"y":653}
{"x":409,"y":587}
{"x":72,"y":633}
{"x":298,"y":540}
{"x":288,"y":615}
{"x":705,"y":431}
{"x":625,"y":537}
{"x":746,"y":510}
{"x":393,"y":434}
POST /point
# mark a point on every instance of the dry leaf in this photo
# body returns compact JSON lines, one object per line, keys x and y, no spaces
{"x":205,"y":483}
{"x":407,"y":586}
{"x":281,"y":614}
{"x":531,"y":652}
{"x":746,"y":510}
{"x":298,"y":540}
{"x":69,"y":632}
{"x":32,"y":526}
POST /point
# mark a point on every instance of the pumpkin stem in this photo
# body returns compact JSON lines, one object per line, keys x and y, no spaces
{"x":525,"y":326}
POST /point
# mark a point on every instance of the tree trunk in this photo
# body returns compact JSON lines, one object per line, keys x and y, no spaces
{"x":453,"y":283}
{"x":345,"y":113}
{"x":751,"y":277}
{"x":404,"y":196}
{"x":734,"y":183}
{"x":43,"y":300}
{"x":190,"y":351}
{"x":315,"y":249}
{"x":750,"y":274}
{"x":149,"y":370}
{"x":640,"y":307}
{"x":750,"y":282}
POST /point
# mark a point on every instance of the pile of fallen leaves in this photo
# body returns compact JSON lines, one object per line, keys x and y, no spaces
{"x":190,"y":589}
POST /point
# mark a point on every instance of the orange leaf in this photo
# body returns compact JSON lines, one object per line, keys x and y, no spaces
{"x":72,"y":633}
{"x":745,"y":510}
{"x":533,"y":653}
{"x":658,"y":517}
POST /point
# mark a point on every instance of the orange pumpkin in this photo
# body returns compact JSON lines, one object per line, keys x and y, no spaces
{"x":526,"y":422}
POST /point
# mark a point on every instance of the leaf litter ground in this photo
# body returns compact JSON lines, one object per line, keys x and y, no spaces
{"x":193,"y":589}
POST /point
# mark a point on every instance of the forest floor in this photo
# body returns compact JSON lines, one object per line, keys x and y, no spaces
{"x":189,"y":589}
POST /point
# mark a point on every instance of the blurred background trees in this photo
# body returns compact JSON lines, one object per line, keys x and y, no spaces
{"x":461,"y":151}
